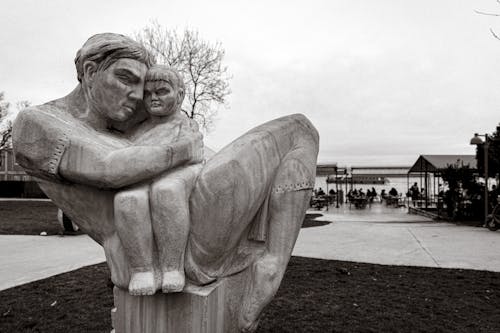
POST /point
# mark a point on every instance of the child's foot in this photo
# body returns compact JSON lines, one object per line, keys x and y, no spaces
{"x":173,"y":281}
{"x":142,"y":283}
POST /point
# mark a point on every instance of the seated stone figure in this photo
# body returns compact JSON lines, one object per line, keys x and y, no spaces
{"x":160,"y":208}
{"x":246,"y":207}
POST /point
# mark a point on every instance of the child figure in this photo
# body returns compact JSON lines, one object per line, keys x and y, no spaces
{"x":157,"y":214}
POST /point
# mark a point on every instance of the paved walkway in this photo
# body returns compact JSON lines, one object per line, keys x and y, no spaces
{"x":25,"y":259}
{"x":377,"y":235}
{"x":390,"y":236}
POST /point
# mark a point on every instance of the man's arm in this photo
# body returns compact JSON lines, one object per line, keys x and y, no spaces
{"x":103,"y":168}
{"x":53,"y":149}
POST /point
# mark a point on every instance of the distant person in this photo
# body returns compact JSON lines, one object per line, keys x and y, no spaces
{"x":492,"y":196}
{"x":370,"y":194}
{"x":332,"y":192}
{"x":320,"y":192}
{"x":383,"y":195}
{"x":414,"y":193}
{"x":441,"y":197}
{"x":393,"y":192}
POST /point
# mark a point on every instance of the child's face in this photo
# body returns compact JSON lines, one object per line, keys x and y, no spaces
{"x":160,"y":98}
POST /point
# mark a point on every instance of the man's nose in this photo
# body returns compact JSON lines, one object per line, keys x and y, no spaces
{"x":136,"y":92}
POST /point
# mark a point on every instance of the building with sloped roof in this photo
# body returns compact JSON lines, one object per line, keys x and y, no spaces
{"x":429,"y":168}
{"x":434,"y":163}
{"x":14,"y":182}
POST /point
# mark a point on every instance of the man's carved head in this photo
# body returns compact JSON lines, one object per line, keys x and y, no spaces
{"x":106,"y":48}
{"x":163,"y":91}
{"x":111,"y":69}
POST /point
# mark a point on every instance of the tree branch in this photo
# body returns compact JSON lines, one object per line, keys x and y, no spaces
{"x":485,"y":13}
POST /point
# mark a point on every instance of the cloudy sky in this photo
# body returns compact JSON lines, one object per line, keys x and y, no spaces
{"x":383,"y":80}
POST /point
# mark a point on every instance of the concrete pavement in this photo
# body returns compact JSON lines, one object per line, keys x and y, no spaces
{"x":25,"y":259}
{"x":390,"y":236}
{"x":378,"y":235}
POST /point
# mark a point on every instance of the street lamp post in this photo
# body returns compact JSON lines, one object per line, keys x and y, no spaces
{"x":476,"y":140}
{"x":337,"y":187}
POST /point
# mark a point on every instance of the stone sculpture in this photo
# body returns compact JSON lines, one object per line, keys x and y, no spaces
{"x":92,"y":153}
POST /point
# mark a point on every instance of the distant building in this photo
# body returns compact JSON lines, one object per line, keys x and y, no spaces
{"x":377,"y":175}
{"x":14,"y":182}
{"x":428,"y":168}
{"x":323,"y":173}
{"x":330,"y":176}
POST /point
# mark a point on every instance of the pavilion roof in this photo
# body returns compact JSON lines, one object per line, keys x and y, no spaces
{"x":435,"y":163}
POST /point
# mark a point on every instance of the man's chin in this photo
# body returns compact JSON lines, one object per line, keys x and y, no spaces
{"x":123,"y":115}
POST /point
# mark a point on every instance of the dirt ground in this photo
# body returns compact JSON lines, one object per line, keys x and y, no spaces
{"x":315,"y":296}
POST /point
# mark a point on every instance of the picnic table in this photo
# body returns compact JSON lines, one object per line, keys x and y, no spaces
{"x":319,"y":201}
{"x":394,"y":200}
{"x":359,"y":202}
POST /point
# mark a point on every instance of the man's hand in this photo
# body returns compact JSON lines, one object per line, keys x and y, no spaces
{"x":187,"y":150}
{"x":196,"y":148}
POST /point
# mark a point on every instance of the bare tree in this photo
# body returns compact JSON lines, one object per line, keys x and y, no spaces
{"x":7,"y":116}
{"x":490,"y":14}
{"x":200,"y":64}
{"x":6,"y":136}
{"x":22,"y":105}
{"x":4,"y":105}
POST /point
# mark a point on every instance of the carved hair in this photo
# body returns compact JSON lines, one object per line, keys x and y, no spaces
{"x":105,"y":49}
{"x":167,"y":74}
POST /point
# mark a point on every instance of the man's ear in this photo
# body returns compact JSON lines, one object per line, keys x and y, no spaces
{"x":180,"y":97}
{"x":89,"y":71}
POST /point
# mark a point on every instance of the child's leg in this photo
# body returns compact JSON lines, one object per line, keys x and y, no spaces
{"x":133,"y":225}
{"x":170,"y":218}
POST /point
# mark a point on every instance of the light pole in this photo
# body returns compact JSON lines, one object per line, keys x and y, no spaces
{"x":476,"y":140}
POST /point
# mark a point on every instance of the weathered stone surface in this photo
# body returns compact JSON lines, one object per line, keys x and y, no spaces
{"x":207,"y":309}
{"x":245,"y":207}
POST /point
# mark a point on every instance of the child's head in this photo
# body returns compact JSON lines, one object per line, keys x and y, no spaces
{"x":163,"y":91}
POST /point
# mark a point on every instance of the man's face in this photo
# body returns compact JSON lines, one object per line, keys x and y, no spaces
{"x":160,"y":98}
{"x":117,"y":90}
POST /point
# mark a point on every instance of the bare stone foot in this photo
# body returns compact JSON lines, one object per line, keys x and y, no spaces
{"x":265,"y":281}
{"x":173,"y":281}
{"x":142,"y":283}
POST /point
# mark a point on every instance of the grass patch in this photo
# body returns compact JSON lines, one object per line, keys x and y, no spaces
{"x":315,"y":296}
{"x":309,"y":221}
{"x":28,"y":218}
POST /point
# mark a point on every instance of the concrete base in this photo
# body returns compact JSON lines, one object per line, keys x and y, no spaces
{"x":210,"y":309}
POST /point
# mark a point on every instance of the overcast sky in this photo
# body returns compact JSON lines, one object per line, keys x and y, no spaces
{"x":383,"y":80}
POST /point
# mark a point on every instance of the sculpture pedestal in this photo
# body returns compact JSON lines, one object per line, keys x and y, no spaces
{"x":209,"y":309}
